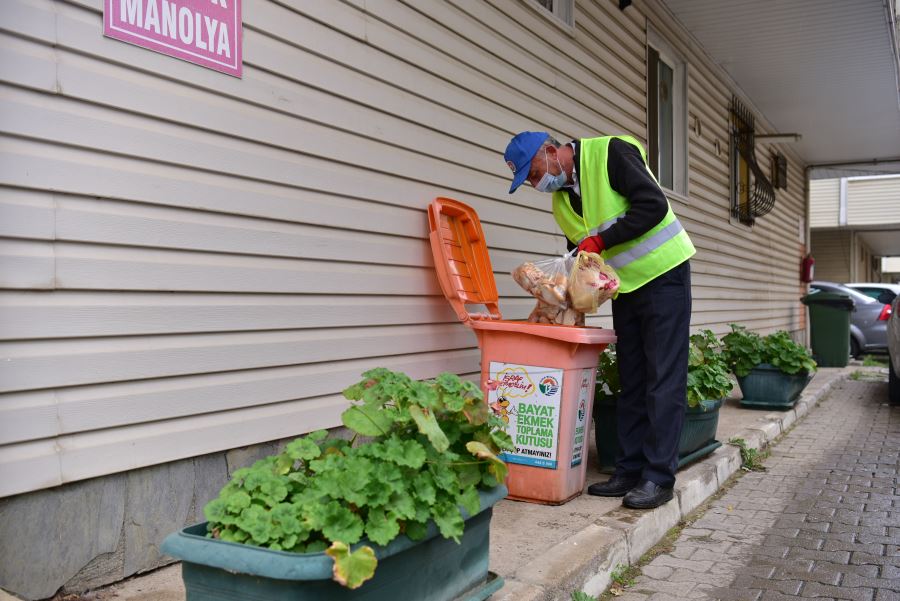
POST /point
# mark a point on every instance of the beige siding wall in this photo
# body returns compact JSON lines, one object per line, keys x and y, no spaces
{"x":192,"y":262}
{"x":832,"y":250}
{"x":824,"y":202}
{"x":873,"y":201}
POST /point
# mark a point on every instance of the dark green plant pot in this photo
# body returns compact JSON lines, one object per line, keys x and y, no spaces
{"x":767,"y":387}
{"x":698,"y":436}
{"x":605,"y":431}
{"x":433,"y":569}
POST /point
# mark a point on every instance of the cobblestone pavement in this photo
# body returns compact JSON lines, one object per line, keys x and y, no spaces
{"x":822,"y":521}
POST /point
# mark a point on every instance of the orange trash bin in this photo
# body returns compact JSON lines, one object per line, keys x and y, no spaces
{"x":545,"y":374}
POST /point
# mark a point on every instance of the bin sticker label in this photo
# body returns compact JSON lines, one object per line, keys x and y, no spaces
{"x":528,"y":398}
{"x":584,"y":394}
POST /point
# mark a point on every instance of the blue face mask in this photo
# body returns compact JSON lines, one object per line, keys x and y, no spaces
{"x":552,"y":183}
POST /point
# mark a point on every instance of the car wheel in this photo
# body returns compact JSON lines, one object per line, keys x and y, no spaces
{"x":893,"y":386}
{"x":855,"y":351}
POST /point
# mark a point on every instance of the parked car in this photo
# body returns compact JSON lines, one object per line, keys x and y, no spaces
{"x":883,"y":293}
{"x":893,"y":337}
{"x":868,"y":320}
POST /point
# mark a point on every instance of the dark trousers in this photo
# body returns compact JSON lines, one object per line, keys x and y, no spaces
{"x":652,"y":330}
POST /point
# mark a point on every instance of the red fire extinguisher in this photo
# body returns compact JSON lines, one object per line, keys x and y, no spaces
{"x":807,"y":269}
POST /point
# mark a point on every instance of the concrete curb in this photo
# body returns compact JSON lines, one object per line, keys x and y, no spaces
{"x":586,"y":560}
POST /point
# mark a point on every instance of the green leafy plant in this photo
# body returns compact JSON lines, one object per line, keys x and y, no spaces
{"x":624,"y":576}
{"x":608,"y":373}
{"x":430,"y":446}
{"x":744,"y":350}
{"x":582,"y":596}
{"x":708,"y":374}
{"x":751,"y":459}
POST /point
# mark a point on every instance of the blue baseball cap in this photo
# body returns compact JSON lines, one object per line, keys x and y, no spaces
{"x":520,"y":151}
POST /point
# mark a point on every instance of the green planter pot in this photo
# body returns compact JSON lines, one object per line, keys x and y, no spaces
{"x":767,"y":387}
{"x":698,"y":436}
{"x":433,"y":569}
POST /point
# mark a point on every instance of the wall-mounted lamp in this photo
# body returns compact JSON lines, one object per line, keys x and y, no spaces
{"x":779,"y":138}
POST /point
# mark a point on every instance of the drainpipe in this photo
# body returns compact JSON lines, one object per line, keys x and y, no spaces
{"x":807,"y":239}
{"x":842,"y":223}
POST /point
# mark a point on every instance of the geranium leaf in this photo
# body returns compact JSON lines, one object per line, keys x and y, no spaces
{"x":448,"y":519}
{"x":428,"y":426}
{"x":352,"y":569}
{"x":367,"y":420}
{"x":470,"y":501}
{"x":381,"y":527}
{"x":416,"y":530}
{"x":302,"y":448}
{"x":339,"y":523}
{"x":496,"y":466}
{"x":424,"y":489}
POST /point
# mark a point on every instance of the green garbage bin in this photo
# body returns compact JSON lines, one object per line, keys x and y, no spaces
{"x":829,"y":321}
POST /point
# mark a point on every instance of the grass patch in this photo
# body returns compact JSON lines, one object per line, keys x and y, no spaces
{"x":751,"y":459}
{"x":872,"y":361}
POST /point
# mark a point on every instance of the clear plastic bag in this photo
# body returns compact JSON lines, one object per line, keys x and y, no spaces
{"x":591,"y":282}
{"x":548,"y":280}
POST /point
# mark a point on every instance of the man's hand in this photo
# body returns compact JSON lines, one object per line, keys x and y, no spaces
{"x":591,"y":244}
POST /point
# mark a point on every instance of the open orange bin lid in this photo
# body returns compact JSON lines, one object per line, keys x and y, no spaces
{"x":466,"y":277}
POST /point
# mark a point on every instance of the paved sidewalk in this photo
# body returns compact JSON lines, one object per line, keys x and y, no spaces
{"x":823,"y":520}
{"x":545,"y":552}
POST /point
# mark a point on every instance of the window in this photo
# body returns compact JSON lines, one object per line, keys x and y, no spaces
{"x":779,"y":171}
{"x":666,"y":114}
{"x":740,"y":185}
{"x":564,"y":10}
{"x":752,"y":194}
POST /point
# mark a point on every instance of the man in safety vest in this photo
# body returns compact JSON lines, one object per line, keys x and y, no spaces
{"x":606,"y":200}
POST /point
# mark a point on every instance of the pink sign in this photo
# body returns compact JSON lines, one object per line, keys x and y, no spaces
{"x":205,"y":32}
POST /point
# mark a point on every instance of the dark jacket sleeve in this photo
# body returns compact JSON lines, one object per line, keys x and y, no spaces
{"x":629,"y":177}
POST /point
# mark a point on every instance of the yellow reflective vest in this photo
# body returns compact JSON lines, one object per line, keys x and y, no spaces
{"x":636,"y":261}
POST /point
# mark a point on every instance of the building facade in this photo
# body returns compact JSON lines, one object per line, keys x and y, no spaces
{"x":855,"y":224}
{"x":194,"y":265}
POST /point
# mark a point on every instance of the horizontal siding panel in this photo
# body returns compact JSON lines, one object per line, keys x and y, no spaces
{"x":39,"y":464}
{"x":29,"y":466}
{"x":824,"y":202}
{"x":873,"y":201}
{"x":46,"y":364}
{"x":91,"y":267}
{"x":88,"y":126}
{"x":89,"y":173}
{"x":31,"y":65}
{"x":832,"y":252}
{"x":105,"y":222}
{"x":66,"y":314}
{"x":24,"y":215}
{"x":26,"y":265}
{"x":36,"y":415}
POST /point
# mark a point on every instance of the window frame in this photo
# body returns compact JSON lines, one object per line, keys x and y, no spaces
{"x":738,"y":169}
{"x":563,"y":11}
{"x":658,"y":49}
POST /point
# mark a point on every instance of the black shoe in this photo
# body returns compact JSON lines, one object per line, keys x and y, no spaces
{"x":647,"y":495}
{"x":616,"y":486}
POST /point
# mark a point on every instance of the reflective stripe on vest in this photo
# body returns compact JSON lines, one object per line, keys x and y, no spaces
{"x":647,"y":246}
{"x":603,"y":226}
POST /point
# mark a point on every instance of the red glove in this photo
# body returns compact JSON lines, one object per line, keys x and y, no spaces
{"x":591,"y":244}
